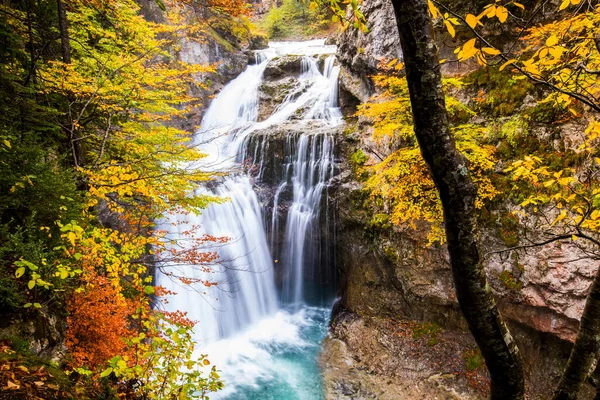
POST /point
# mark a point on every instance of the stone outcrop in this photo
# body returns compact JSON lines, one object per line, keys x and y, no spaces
{"x":361,"y":52}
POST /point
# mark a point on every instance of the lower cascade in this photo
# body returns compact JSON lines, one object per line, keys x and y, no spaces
{"x":262,"y":321}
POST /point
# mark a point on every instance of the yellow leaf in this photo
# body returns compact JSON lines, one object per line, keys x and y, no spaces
{"x":468,"y":46}
{"x":472,"y":21}
{"x":468,"y":50}
{"x":490,"y":12}
{"x":507,"y":63}
{"x":19,"y":272}
{"x":432,"y":9}
{"x":551,"y":41}
{"x":7,"y":143}
{"x":574,"y":238}
{"x":391,"y":63}
{"x":521,"y":6}
{"x":501,"y":13}
{"x":450,"y":28}
{"x":12,"y":386}
{"x":491,"y":51}
{"x":564,"y":4}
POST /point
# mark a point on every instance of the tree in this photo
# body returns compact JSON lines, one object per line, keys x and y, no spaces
{"x":563,"y":56}
{"x":449,"y":170}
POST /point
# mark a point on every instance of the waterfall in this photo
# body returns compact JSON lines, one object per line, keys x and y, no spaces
{"x":245,"y":290}
{"x":248,"y":310}
{"x":312,"y":169}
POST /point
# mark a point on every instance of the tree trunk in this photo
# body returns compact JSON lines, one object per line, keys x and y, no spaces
{"x":584,"y":355}
{"x":64,"y":32}
{"x":65,"y":47}
{"x":457,"y":194}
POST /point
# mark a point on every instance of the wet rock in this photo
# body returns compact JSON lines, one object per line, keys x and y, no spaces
{"x":230,"y":63}
{"x":258,"y":42}
{"x":272,"y":94}
{"x":283,"y":66}
{"x":374,"y":359}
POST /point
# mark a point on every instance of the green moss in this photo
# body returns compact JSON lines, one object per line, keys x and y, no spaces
{"x":221,"y":41}
{"x":473,"y":360}
{"x":391,"y":253}
{"x":515,"y":130}
{"x":498,"y":93}
{"x":359,"y":158}
{"x":510,"y":281}
{"x":508,"y":231}
{"x":548,"y":112}
{"x":380,"y":221}
{"x":429,"y":331}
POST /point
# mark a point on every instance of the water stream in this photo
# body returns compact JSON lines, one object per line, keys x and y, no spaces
{"x":263,"y":322}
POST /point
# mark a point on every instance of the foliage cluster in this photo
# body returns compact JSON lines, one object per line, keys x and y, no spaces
{"x":499,"y":93}
{"x":89,"y":160}
{"x":401,"y":185}
{"x":295,"y":19}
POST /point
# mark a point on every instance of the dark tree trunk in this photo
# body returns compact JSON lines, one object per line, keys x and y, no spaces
{"x":584,"y":355}
{"x":457,"y":192}
{"x":65,"y":47}
{"x":64,"y":32}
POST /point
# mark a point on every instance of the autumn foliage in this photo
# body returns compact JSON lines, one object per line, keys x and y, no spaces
{"x":99,"y":321}
{"x":79,"y":233}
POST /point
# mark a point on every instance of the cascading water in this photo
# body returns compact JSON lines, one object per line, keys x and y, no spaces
{"x":265,"y":343}
{"x":312,"y":169}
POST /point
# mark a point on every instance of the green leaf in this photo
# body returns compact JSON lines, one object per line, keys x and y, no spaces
{"x":31,"y":284}
{"x":106,"y":372}
{"x":20,"y":272}
{"x":37,"y":305}
{"x":161,"y":5}
{"x":27,"y":305}
{"x":149,"y":290}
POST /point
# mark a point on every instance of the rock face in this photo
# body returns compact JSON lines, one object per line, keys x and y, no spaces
{"x":361,"y":361}
{"x":270,"y":156}
{"x":361,"y":52}
{"x":551,"y":282}
{"x":218,"y":48}
{"x":230,"y":62}
{"x":389,"y":273}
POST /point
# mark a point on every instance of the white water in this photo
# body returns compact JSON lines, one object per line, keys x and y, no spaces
{"x":241,"y":323}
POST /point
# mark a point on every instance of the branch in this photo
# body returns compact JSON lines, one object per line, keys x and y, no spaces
{"x":577,"y":96}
